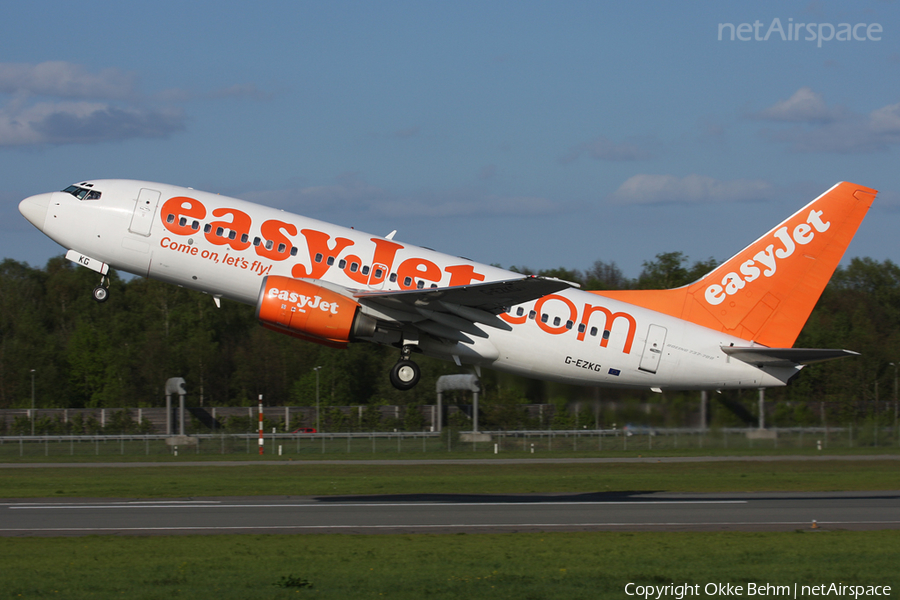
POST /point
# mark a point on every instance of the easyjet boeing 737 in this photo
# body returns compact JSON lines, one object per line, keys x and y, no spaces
{"x":733,"y":328}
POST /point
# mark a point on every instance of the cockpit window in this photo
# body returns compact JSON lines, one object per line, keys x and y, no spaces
{"x":82,"y":193}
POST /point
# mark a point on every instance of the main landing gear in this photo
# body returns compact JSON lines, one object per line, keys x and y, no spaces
{"x":101,"y":292}
{"x":405,"y":374}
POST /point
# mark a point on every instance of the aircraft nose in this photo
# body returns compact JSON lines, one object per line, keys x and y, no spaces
{"x":35,"y":209}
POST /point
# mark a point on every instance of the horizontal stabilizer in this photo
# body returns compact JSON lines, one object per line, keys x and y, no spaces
{"x":784,"y":357}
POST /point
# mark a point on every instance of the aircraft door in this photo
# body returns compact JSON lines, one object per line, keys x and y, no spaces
{"x":653,"y":348}
{"x":144,"y":209}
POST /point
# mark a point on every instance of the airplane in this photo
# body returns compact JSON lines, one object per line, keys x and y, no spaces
{"x":733,"y":328}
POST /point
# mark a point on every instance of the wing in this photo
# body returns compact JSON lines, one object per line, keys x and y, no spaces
{"x":453,"y":313}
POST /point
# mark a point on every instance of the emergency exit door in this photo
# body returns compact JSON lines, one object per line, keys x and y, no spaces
{"x":653,"y":348}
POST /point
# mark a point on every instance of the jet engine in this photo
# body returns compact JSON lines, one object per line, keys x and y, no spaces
{"x":308,"y":311}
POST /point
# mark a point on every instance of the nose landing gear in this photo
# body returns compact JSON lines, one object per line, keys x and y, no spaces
{"x":101,"y":292}
{"x":405,"y":374}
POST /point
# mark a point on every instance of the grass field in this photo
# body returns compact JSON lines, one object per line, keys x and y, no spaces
{"x":305,"y":479}
{"x":515,"y":566}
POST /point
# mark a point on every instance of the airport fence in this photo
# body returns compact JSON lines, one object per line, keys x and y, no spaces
{"x":380,"y":444}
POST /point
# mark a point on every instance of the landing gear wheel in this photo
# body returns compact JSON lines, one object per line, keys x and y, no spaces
{"x":101,"y":294}
{"x":405,"y":375}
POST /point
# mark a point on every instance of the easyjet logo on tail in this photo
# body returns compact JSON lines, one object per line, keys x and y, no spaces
{"x":765,"y":262}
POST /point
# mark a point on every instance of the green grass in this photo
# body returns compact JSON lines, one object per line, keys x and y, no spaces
{"x":310,"y":478}
{"x":516,"y":566}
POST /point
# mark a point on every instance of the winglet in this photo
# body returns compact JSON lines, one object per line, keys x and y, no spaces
{"x":766,"y":292}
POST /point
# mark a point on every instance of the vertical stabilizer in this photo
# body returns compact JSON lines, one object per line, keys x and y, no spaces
{"x":766,"y":292}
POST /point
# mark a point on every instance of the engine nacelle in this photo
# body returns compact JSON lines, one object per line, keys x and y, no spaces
{"x":311,"y":312}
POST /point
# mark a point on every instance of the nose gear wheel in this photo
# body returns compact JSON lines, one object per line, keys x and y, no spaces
{"x":101,"y":292}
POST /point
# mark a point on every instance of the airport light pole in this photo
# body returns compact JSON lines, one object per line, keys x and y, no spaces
{"x":318,"y":430}
{"x":895,"y":392}
{"x":32,"y":402}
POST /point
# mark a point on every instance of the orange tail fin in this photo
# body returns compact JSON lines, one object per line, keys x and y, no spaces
{"x":766,"y":292}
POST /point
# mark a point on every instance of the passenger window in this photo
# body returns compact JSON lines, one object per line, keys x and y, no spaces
{"x":220,"y":231}
{"x":378,"y":273}
{"x":569,"y":324}
{"x":420,"y":284}
{"x":207,"y":228}
{"x":330,"y":261}
{"x":244,"y":238}
{"x":281,"y":248}
{"x":393,"y":278}
{"x":407,"y":281}
{"x":581,"y":327}
{"x":182,"y":222}
{"x":232,"y":234}
{"x":365,"y":270}
{"x":342,"y":264}
{"x":520,"y":311}
{"x":195,"y":225}
{"x":532,"y":315}
{"x":269,"y":244}
{"x":319,"y":257}
{"x":294,"y":251}
{"x":556,"y":321}
{"x":606,"y":334}
{"x":170,"y":219}
{"x":354,"y":267}
{"x":594,"y":331}
{"x":544,"y":317}
{"x":256,"y":241}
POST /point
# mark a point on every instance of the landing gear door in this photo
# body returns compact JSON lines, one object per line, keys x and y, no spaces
{"x":144,"y":209}
{"x":653,"y":349}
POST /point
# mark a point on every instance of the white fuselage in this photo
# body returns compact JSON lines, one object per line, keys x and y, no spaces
{"x":228,"y":246}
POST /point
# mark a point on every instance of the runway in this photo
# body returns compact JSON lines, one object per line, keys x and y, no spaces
{"x":424,"y":513}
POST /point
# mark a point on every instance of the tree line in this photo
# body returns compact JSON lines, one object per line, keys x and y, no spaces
{"x":120,"y":353}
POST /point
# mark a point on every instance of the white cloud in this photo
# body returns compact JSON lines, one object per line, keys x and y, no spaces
{"x":57,"y":102}
{"x":239,"y":91}
{"x":885,"y":120}
{"x":819,"y":128}
{"x":692,"y":189}
{"x":602,"y":148}
{"x":406,"y":133}
{"x":65,"y":80}
{"x":352,"y":195}
{"x":805,"y":106}
{"x":487,"y":172}
{"x":888,"y":200}
{"x":83,"y":122}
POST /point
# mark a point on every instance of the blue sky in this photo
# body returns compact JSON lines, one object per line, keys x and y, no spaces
{"x":537,"y":134}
